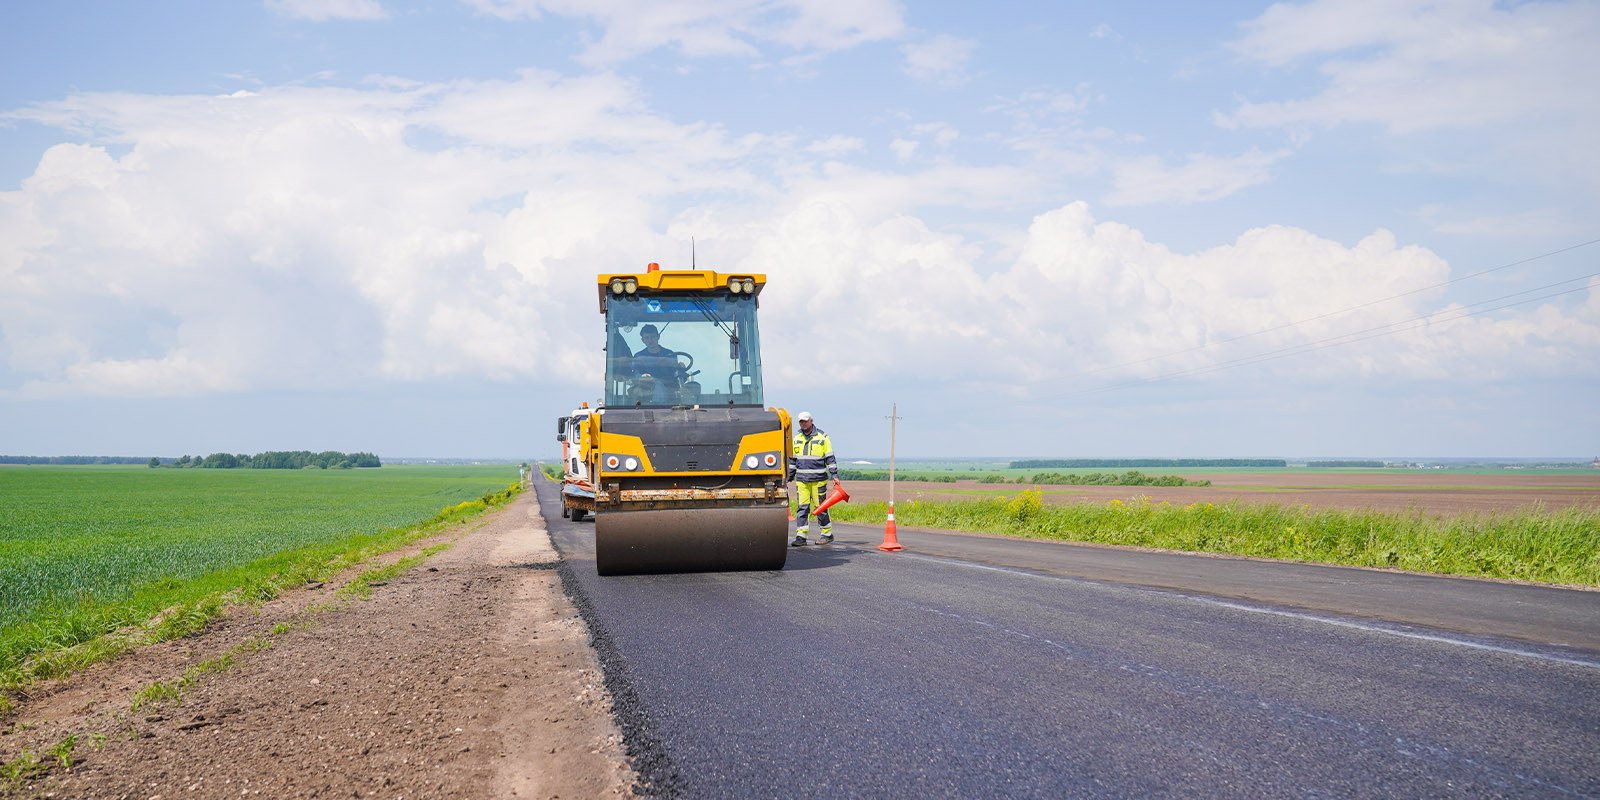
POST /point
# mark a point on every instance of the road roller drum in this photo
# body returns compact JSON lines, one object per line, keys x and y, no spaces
{"x":691,"y":540}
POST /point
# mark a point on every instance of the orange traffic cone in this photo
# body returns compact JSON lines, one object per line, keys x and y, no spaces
{"x":891,"y":543}
{"x":839,"y":496}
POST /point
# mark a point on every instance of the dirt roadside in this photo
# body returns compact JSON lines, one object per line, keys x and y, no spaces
{"x":468,"y":676}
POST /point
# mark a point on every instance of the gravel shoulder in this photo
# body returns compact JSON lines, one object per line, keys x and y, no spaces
{"x":470,"y":675}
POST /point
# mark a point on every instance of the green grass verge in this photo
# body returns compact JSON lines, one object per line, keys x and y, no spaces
{"x":57,"y":638}
{"x":1530,"y":544}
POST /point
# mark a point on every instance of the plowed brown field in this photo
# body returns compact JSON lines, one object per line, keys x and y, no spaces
{"x":1428,"y":492}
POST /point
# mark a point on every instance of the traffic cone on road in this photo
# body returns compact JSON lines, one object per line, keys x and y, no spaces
{"x":891,"y":543}
{"x":839,"y":496}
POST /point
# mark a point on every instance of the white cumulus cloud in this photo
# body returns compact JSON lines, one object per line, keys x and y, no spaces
{"x":303,"y":237}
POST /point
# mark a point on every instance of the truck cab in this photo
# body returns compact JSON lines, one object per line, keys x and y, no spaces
{"x":577,"y":490}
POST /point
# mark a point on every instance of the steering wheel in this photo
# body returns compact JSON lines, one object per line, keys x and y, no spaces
{"x":679,"y":354}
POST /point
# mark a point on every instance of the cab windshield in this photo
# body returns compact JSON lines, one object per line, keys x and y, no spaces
{"x":682,"y":350}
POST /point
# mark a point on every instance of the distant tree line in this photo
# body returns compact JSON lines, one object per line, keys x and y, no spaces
{"x":1123,"y":463}
{"x":71,"y":460}
{"x":1132,"y":477}
{"x":868,"y":475}
{"x":1345,"y":464}
{"x":275,"y":459}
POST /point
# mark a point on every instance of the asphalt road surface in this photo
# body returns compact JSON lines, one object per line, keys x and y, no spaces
{"x":933,"y":673}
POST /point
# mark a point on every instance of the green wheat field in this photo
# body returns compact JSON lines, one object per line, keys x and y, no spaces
{"x":87,"y":549}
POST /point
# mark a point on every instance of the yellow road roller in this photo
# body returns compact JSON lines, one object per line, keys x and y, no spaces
{"x":688,"y":465}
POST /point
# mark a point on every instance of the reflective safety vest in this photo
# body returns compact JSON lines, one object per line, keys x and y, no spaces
{"x":812,"y":459}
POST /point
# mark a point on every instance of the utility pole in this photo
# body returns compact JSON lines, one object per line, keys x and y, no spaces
{"x":894,"y":414}
{"x":891,"y":541}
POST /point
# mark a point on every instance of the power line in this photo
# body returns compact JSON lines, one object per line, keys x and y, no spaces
{"x":1209,"y":345}
{"x":1344,"y":338}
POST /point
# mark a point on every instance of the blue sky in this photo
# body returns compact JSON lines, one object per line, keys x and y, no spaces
{"x":1135,"y":229}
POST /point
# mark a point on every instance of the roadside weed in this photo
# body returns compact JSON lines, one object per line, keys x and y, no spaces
{"x":18,"y":769}
{"x":163,"y":691}
{"x":1532,"y":544}
{"x":157,"y":692}
{"x":62,"y":752}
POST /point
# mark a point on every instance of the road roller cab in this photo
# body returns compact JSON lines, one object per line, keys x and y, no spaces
{"x":688,"y":465}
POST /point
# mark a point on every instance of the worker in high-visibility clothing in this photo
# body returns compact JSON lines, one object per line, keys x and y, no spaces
{"x":811,"y":464}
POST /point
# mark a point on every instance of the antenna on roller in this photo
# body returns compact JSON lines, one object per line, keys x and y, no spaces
{"x":692,"y":264}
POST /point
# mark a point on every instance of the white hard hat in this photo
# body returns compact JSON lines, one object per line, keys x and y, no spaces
{"x":805,"y":416}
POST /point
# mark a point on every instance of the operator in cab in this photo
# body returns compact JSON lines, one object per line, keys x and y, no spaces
{"x":658,"y":364}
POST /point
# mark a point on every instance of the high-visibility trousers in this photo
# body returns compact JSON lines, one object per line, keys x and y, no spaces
{"x":811,"y":495}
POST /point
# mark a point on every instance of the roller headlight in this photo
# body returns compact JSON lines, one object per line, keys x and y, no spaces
{"x":630,"y":286}
{"x":631,"y":463}
{"x":612,"y":461}
{"x":771,"y":460}
{"x":616,"y":286}
{"x":735,"y":285}
{"x":749,"y":285}
{"x":750,"y":462}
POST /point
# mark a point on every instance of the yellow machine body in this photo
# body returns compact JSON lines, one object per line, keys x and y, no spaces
{"x":688,"y":465}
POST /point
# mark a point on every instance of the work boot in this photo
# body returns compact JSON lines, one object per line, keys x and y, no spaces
{"x":827,"y":538}
{"x":799,"y":541}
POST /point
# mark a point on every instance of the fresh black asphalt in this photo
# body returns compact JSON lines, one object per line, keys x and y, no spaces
{"x":858,"y":673}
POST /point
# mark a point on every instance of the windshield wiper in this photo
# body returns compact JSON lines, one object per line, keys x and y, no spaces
{"x":733,"y":335}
